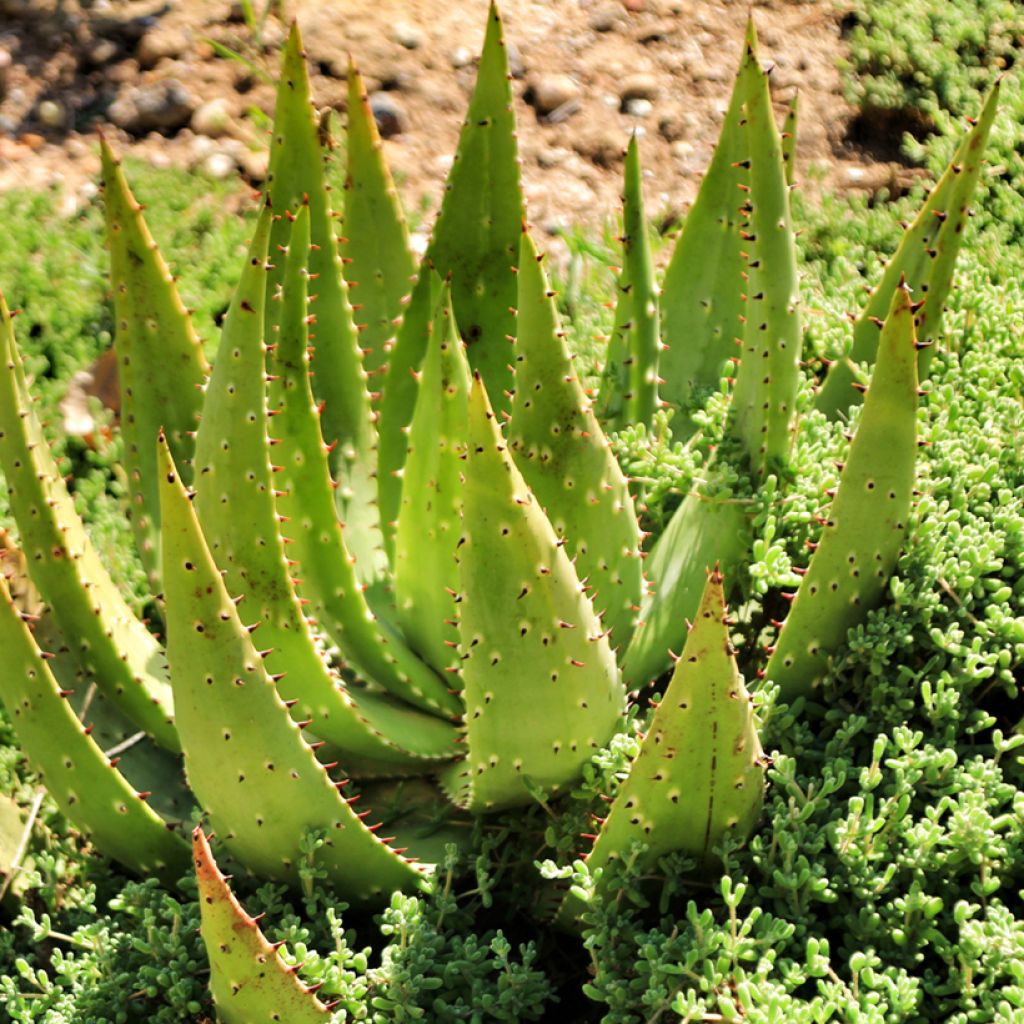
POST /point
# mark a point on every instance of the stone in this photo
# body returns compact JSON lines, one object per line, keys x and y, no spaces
{"x":255,"y":163}
{"x":159,"y":106}
{"x":103,"y":52}
{"x":200,"y":147}
{"x":408,"y":35}
{"x":388,"y":113}
{"x":461,"y":57}
{"x":219,"y":166}
{"x":52,"y":114}
{"x":637,"y":107}
{"x":161,"y":43}
{"x":553,"y":156}
{"x":516,"y":67}
{"x":547,"y":92}
{"x":212,"y":118}
{"x":640,"y":86}
{"x":603,"y":146}
{"x":606,"y":19}
{"x":677,"y":123}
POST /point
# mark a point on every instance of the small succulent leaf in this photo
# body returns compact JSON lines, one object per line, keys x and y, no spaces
{"x":160,"y":359}
{"x":861,"y":539}
{"x":297,"y":172}
{"x":700,"y":769}
{"x":398,"y":396}
{"x":541,"y":687}
{"x":763,"y":409}
{"x":379,"y":264}
{"x":476,"y":236}
{"x":249,"y":982}
{"x":702,"y":294}
{"x":562,"y":452}
{"x":789,"y":130}
{"x":643,"y":345}
{"x":234,"y":473}
{"x":305,"y":502}
{"x":429,"y":522}
{"x":247,"y":761}
{"x":79,"y":776}
{"x":925,"y":259}
{"x":111,"y":644}
{"x":706,"y":530}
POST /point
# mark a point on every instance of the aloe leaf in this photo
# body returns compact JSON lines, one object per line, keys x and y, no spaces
{"x":398,"y":396}
{"x":379,"y":265}
{"x":700,"y":770}
{"x":305,"y":501}
{"x":861,"y":538}
{"x":111,"y":644}
{"x":702,"y":294}
{"x":247,"y":761}
{"x":79,"y":776}
{"x":160,"y":359}
{"x":145,"y":766}
{"x":644,"y":344}
{"x":249,"y":982}
{"x":925,"y":259}
{"x":429,"y":523}
{"x":789,"y":129}
{"x":296,"y":172}
{"x":763,"y":408}
{"x":614,"y":385}
{"x":541,"y":687}
{"x":708,"y":529}
{"x":565,"y":458}
{"x":420,"y":817}
{"x":476,"y":237}
{"x":233,"y":472}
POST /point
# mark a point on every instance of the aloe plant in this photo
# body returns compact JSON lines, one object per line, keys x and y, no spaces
{"x":456,"y":588}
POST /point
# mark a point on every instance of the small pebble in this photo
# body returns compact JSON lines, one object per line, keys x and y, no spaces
{"x":639,"y":87}
{"x":460,"y":58}
{"x":408,"y":35}
{"x":553,"y":157}
{"x":51,"y":114}
{"x":605,"y":19}
{"x":161,"y":43}
{"x":219,"y":166}
{"x":549,"y":92}
{"x":388,"y":114}
{"x":638,"y":108}
{"x":158,"y":106}
{"x":255,"y":164}
{"x":516,"y":67}
{"x":212,"y":118}
{"x":103,"y":52}
{"x":5,"y":66}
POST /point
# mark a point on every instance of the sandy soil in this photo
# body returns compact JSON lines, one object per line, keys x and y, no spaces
{"x":587,"y":74}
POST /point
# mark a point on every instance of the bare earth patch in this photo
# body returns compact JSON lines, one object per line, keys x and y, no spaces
{"x":587,"y":74}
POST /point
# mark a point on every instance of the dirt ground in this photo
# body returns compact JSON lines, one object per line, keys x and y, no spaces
{"x":587,"y":74}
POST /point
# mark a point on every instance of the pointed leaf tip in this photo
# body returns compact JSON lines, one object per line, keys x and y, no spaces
{"x":248,"y":979}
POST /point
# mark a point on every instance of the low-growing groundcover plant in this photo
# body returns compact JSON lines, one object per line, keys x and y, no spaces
{"x":876,"y":880}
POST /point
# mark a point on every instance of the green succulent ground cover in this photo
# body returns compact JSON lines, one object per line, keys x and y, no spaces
{"x":884,"y":880}
{"x":922,"y":63}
